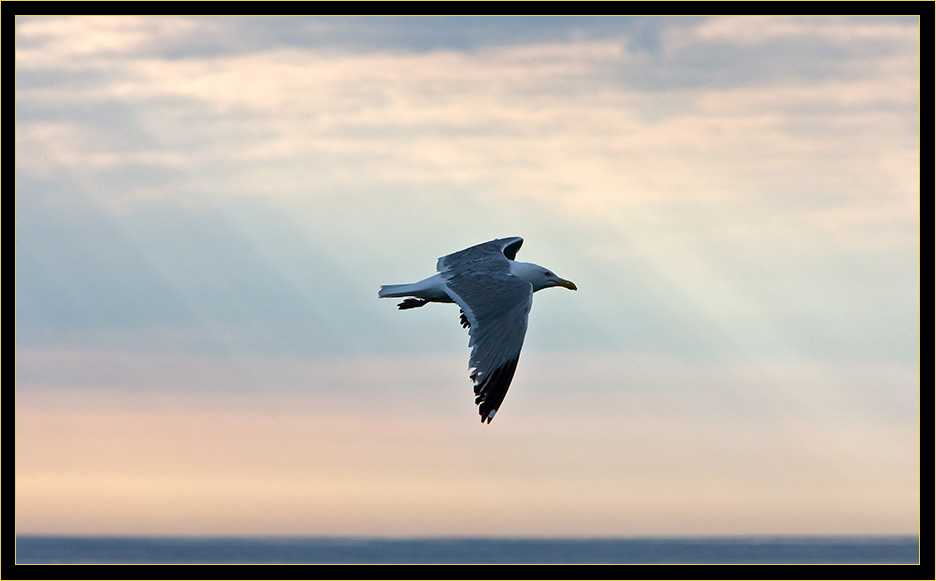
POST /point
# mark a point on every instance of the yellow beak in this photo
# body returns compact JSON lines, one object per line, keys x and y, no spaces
{"x":567,"y":284}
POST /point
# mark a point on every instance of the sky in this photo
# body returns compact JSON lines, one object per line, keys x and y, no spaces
{"x":207,"y":206}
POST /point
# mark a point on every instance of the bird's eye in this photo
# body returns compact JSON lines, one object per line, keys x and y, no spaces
{"x":548,"y":274}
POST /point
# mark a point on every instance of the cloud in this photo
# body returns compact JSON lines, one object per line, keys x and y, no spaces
{"x":69,"y":148}
{"x":753,"y":30}
{"x":299,"y":149}
{"x":75,"y":44}
{"x":297,"y":121}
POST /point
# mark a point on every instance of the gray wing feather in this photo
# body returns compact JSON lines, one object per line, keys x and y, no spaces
{"x":497,"y":305}
{"x":496,"y":251}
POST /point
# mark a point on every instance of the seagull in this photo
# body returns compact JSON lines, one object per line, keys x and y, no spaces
{"x":495,"y":293}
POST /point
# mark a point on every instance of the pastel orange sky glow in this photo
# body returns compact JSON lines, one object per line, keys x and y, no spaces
{"x":206,"y":208}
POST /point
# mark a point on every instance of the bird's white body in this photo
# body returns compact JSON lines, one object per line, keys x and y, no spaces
{"x":435,"y":290}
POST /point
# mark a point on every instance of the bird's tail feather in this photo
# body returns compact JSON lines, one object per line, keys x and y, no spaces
{"x":397,"y":290}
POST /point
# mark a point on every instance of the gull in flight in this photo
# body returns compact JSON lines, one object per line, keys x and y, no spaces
{"x":495,"y":294}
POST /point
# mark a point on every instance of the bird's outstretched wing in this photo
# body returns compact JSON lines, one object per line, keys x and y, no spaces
{"x":496,"y":305}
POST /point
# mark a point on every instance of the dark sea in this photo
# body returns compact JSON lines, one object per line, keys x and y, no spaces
{"x":292,"y":550}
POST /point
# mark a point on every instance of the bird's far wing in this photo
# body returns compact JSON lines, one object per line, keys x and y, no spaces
{"x":499,"y":250}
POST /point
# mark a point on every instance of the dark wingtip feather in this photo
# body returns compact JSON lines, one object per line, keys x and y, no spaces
{"x":492,"y":390}
{"x":510,"y":251}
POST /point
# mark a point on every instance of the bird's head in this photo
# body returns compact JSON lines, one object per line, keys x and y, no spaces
{"x":539,"y":277}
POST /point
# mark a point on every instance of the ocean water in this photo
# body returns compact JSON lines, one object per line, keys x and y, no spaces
{"x":746,"y":550}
